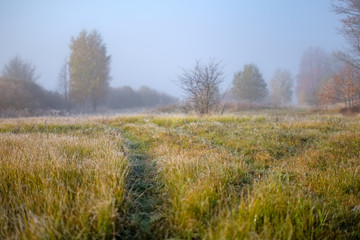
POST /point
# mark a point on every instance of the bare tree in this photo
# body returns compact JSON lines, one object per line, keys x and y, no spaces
{"x":350,"y":9}
{"x":201,"y":85}
{"x":63,"y":84}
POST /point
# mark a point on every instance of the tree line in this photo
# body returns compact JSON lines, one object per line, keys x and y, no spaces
{"x":324,"y":79}
{"x":201,"y":85}
{"x":144,"y":97}
{"x":20,"y":94}
{"x":19,"y":90}
{"x":327,"y":79}
{"x":83,"y":84}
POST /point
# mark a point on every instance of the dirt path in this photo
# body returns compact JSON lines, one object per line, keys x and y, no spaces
{"x":143,"y":219}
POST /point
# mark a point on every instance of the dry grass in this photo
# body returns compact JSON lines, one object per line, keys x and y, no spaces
{"x":59,"y":185}
{"x":258,"y":175}
{"x":262,"y":175}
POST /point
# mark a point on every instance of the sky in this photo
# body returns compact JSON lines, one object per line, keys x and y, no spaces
{"x":150,"y":42}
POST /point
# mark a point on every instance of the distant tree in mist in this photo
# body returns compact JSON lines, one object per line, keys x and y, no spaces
{"x":89,"y":68}
{"x":19,"y":91}
{"x":350,"y":10}
{"x":123,"y":97}
{"x":249,"y":85}
{"x":316,"y":65}
{"x":201,"y":85}
{"x":20,"y":70}
{"x":64,"y":84}
{"x":126,"y":97}
{"x":18,"y":95}
{"x":343,"y":87}
{"x":148,"y":96}
{"x":281,"y":86}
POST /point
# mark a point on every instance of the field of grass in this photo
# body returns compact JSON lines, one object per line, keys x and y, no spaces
{"x":254,"y":175}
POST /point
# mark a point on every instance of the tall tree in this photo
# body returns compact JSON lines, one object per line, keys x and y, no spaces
{"x":201,"y":85}
{"x":64,"y":84}
{"x":249,"y":84}
{"x":350,"y":10}
{"x":89,"y":69}
{"x":281,"y":87}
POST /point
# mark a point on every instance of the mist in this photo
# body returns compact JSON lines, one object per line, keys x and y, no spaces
{"x":179,"y":119}
{"x":150,"y":43}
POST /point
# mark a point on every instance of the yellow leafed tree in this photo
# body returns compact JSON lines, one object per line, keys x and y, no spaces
{"x":89,"y":68}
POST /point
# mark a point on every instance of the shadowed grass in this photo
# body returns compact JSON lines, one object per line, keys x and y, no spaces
{"x":143,"y":217}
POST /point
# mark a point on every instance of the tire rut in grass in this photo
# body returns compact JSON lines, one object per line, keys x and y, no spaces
{"x":143,"y":219}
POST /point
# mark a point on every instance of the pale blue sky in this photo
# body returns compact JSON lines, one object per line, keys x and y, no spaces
{"x":150,"y":41}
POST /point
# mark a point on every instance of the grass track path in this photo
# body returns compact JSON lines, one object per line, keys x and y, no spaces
{"x":143,"y":216}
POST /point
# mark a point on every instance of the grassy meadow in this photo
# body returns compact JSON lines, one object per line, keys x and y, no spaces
{"x":251,"y":175}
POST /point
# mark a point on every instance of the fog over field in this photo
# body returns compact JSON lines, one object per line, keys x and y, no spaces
{"x":181,"y":119}
{"x":150,"y":41}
